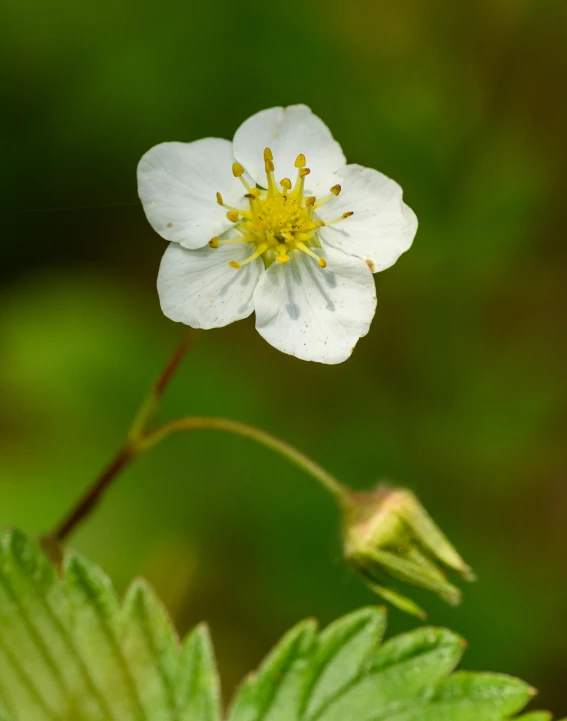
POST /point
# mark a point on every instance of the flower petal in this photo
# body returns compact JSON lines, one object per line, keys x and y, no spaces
{"x":287,"y":132}
{"x":177,"y":184}
{"x":200,"y":289}
{"x":382,"y":227}
{"x":314,"y":313}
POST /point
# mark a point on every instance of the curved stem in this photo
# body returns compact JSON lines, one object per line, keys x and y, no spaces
{"x":195,"y":423}
{"x":140,"y":439}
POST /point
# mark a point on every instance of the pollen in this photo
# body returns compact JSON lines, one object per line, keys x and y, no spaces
{"x":281,"y":218}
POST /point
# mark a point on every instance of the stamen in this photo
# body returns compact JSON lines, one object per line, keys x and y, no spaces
{"x":245,"y":239}
{"x":233,"y":213}
{"x":238,"y":172}
{"x":300,"y":182}
{"x":335,"y":190}
{"x":282,"y":256}
{"x":279,"y":220}
{"x":303,"y":237}
{"x":269,"y":165}
{"x":321,"y":262}
{"x":335,"y":220}
{"x":260,"y":250}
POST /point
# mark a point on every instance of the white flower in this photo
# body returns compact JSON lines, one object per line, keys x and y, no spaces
{"x":300,"y":253}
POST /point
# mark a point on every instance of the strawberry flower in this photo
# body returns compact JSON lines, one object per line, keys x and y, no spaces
{"x":278,"y":224}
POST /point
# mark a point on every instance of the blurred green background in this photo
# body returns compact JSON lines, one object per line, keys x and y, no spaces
{"x":459,"y":391}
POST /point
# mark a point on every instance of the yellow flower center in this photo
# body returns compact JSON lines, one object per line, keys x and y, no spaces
{"x":280,"y":218}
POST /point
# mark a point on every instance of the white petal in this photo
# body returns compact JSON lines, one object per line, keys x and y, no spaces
{"x":287,"y":132}
{"x":177,"y":184}
{"x":200,"y":289}
{"x":314,"y":313}
{"x":382,"y":227}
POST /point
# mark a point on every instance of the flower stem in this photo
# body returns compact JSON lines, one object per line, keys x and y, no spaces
{"x":130,"y":449}
{"x":196,"y":423}
{"x":93,"y":496}
{"x":141,"y":438}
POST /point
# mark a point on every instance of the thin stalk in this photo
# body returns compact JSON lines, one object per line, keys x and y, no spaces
{"x":125,"y":455}
{"x":141,"y":438}
{"x":292,"y":454}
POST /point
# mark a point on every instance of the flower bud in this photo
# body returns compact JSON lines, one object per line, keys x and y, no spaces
{"x":389,"y":534}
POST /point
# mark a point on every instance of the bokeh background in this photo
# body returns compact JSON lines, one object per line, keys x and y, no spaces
{"x":459,"y":391}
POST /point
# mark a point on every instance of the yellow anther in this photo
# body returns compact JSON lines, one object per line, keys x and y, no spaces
{"x":237,"y":170}
{"x":347,"y":215}
{"x":279,"y":220}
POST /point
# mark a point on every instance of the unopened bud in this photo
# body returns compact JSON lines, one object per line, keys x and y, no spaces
{"x":388,"y":533}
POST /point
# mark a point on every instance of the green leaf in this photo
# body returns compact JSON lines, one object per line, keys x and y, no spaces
{"x":275,"y":689}
{"x":71,"y":651}
{"x":150,"y":648}
{"x":198,"y":688}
